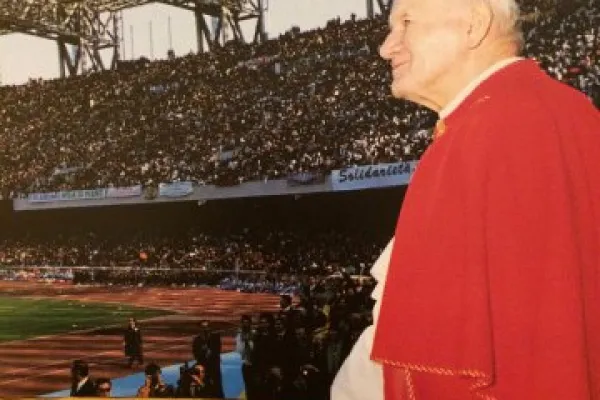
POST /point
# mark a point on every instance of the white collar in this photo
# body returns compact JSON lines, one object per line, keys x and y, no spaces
{"x":464,"y":93}
{"x":82,"y":382}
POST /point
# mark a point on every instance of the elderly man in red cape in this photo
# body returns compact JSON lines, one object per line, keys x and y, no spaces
{"x":493,"y":285}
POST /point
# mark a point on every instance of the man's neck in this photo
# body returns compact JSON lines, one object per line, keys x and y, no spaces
{"x":471,"y":68}
{"x":463,"y":93}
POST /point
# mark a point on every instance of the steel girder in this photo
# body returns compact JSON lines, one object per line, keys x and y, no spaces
{"x":93,"y":25}
{"x":384,"y":7}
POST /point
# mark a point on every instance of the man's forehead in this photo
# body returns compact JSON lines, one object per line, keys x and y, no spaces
{"x":403,"y":7}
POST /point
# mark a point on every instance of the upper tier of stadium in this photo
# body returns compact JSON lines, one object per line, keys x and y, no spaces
{"x":311,"y":101}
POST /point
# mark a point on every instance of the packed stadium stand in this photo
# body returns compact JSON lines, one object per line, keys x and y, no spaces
{"x":311,"y":101}
{"x":282,"y":235}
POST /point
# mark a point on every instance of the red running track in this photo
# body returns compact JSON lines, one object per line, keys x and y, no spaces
{"x":41,"y":365}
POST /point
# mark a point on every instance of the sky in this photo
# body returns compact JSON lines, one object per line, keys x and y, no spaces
{"x":23,"y":57}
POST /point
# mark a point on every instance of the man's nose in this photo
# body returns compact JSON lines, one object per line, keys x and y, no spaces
{"x":384,"y":49}
{"x":391,"y":42}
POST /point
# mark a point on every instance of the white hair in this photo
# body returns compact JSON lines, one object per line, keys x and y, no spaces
{"x":507,"y":15}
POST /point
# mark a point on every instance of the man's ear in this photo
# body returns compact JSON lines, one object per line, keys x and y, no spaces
{"x":482,"y":17}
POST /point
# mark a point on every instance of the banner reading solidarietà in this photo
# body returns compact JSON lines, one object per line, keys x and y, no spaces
{"x":373,"y":176}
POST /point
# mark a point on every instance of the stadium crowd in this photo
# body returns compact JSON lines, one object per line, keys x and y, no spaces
{"x":311,"y":101}
{"x":296,"y":353}
{"x":258,"y":250}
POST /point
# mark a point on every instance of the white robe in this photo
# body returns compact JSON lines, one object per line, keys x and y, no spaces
{"x":359,"y":378}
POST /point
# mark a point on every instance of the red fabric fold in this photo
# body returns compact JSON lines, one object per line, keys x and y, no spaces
{"x":493,"y":280}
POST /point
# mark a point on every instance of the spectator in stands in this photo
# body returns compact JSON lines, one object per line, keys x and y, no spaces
{"x":213,"y":366}
{"x":244,"y":346}
{"x":195,"y":384}
{"x":206,"y":348}
{"x":285,"y":303}
{"x":103,"y":387}
{"x":200,"y":344}
{"x":154,"y":386}
{"x":334,"y":352}
{"x":81,"y":383}
{"x":133,"y":344}
{"x":262,"y":355}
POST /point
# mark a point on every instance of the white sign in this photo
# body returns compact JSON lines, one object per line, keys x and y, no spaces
{"x":175,"y":189}
{"x":92,"y":194}
{"x":373,"y":176}
{"x":122,"y":192}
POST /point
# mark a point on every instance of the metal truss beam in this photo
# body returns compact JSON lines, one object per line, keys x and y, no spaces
{"x":93,"y":25}
{"x":104,"y":35}
{"x":229,"y":14}
{"x":384,"y":7}
{"x":73,"y":23}
{"x":43,"y":18}
{"x":116,"y":5}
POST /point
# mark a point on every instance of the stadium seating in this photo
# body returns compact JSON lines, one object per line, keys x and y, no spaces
{"x":312,"y":101}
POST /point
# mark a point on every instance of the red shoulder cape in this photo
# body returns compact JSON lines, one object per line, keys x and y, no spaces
{"x":493,"y":287}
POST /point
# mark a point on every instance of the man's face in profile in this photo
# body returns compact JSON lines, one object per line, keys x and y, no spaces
{"x":154,"y":378}
{"x":424,"y":45}
{"x":199,"y":372}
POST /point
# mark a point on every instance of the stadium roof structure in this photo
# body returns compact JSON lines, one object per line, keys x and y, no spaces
{"x":92,"y":26}
{"x":383,"y":5}
{"x":116,"y":5}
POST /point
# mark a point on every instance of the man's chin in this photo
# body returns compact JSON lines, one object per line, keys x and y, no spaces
{"x":408,"y":91}
{"x":401,"y":90}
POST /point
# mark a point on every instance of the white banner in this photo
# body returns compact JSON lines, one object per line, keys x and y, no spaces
{"x":175,"y":189}
{"x":92,"y":194}
{"x":122,"y":192}
{"x":65,"y":171}
{"x":373,"y":176}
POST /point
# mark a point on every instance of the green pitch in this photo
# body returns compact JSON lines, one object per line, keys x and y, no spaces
{"x":22,"y":318}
